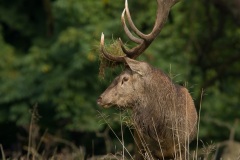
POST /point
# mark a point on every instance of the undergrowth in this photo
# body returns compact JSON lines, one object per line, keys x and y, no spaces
{"x":45,"y":146}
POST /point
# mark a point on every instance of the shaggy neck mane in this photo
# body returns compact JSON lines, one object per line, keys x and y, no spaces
{"x":152,"y":110}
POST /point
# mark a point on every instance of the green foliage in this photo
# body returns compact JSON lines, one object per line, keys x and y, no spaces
{"x":56,"y":72}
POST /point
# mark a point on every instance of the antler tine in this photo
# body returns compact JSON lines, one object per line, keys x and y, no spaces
{"x":132,"y":25}
{"x":162,"y":14}
{"x":107,"y":55}
{"x":132,"y":52}
{"x":129,"y":34}
{"x":127,"y":31}
{"x":143,"y":40}
{"x":163,"y":9}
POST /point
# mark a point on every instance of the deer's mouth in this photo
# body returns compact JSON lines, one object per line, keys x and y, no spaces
{"x":106,"y":105}
{"x":103,"y":104}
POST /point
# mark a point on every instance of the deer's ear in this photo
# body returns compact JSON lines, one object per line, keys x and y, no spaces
{"x":141,"y":68}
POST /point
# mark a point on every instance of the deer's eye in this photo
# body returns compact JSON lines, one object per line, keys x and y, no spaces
{"x":125,"y":79}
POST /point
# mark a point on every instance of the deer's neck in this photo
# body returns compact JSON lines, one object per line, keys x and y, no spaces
{"x":153,"y":111}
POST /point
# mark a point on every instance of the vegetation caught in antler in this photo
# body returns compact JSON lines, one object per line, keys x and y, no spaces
{"x":115,"y":49}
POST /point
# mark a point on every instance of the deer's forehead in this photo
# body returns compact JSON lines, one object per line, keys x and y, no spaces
{"x":134,"y":76}
{"x":128,"y":72}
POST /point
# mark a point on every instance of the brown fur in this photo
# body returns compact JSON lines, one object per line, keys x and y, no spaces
{"x":164,"y":114}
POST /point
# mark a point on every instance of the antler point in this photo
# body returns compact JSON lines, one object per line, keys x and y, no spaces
{"x":126,"y":3}
{"x":123,"y":13}
{"x":102,"y":39}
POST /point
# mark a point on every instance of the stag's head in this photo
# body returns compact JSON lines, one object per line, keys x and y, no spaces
{"x":126,"y":89}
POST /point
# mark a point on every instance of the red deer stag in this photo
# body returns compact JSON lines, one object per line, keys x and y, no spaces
{"x":164,"y":114}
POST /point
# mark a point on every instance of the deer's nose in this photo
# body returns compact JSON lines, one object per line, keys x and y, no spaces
{"x":99,"y":100}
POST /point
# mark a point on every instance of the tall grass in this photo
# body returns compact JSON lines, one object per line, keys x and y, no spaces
{"x":45,"y":146}
{"x":2,"y":152}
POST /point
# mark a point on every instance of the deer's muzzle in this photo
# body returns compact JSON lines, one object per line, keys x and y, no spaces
{"x":103,"y":103}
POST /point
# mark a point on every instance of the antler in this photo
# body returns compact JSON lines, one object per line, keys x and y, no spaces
{"x":143,"y":40}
